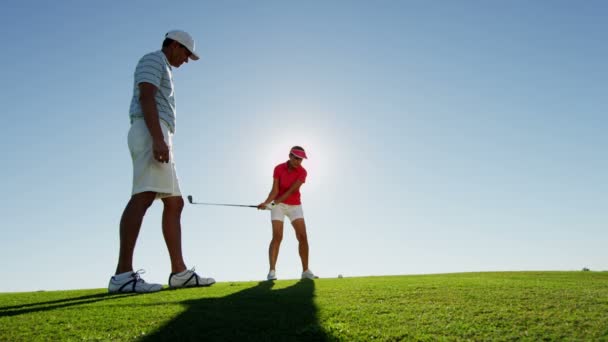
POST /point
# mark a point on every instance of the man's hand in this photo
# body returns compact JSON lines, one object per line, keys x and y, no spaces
{"x":160,"y":151}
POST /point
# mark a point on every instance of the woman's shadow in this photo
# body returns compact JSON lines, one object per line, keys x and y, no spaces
{"x":254,"y":314}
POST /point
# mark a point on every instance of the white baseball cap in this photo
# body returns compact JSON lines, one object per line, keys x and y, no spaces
{"x":185,"y":39}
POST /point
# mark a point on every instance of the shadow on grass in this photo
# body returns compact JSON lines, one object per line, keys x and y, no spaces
{"x":254,"y":314}
{"x":16,"y":310}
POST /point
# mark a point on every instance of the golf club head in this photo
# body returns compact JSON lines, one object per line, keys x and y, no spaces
{"x":190,"y":199}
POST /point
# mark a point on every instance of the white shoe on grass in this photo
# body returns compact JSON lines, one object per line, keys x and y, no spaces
{"x":130,"y":282}
{"x":188,"y":278}
{"x":272,"y":275}
{"x":308,"y":275}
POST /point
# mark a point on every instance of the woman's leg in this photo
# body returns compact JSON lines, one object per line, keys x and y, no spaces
{"x":275,"y":243}
{"x":300,"y":228}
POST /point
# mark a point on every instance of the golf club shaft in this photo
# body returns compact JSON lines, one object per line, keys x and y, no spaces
{"x":226,"y":205}
{"x":220,"y":204}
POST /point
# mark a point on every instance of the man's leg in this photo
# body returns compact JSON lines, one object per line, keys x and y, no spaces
{"x":130,"y":224}
{"x":275,"y":243}
{"x":172,"y":231}
{"x":300,"y":228}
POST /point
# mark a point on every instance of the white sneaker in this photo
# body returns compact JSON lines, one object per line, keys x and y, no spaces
{"x":308,"y":275}
{"x":133,"y":282}
{"x":271,"y":275}
{"x":188,"y":278}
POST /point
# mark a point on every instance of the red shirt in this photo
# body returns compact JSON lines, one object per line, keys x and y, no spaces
{"x":286,"y":179}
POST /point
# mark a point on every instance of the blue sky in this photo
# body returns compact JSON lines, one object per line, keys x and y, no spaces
{"x":445,"y":136}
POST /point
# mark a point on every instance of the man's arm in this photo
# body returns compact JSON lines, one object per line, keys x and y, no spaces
{"x":160,"y":150}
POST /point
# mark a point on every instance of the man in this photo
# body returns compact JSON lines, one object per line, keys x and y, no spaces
{"x":152,"y":115}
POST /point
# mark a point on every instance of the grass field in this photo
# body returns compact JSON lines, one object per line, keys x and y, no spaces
{"x":466,"y":306}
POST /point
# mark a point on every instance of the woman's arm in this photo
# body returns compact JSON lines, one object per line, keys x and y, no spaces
{"x":294,"y":187}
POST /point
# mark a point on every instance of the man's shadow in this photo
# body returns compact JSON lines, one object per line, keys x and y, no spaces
{"x":20,"y":309}
{"x":254,"y":314}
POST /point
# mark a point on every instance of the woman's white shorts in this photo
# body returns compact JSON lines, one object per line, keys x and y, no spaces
{"x":281,"y":210}
{"x":148,"y":173}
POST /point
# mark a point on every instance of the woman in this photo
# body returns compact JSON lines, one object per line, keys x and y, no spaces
{"x":287,"y":179}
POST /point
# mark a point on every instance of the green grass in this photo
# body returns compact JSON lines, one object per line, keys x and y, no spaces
{"x":467,"y":306}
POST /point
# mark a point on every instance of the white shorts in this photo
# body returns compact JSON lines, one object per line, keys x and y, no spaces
{"x":281,"y":210}
{"x":148,"y":173}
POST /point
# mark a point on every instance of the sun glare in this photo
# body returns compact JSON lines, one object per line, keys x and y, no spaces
{"x":316,"y":141}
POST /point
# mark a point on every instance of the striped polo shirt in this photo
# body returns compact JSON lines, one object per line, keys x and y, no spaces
{"x":154,"y":68}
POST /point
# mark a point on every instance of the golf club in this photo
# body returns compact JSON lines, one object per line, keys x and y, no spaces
{"x":220,"y":204}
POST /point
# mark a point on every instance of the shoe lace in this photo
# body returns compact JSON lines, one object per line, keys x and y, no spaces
{"x":137,"y":275}
{"x":191,"y":270}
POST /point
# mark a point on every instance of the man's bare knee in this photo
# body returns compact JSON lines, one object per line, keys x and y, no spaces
{"x":175,"y":204}
{"x":142,"y":201}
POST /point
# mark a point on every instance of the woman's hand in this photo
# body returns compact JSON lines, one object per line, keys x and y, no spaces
{"x":266,"y":206}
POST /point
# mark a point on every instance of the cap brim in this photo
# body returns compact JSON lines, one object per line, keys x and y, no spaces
{"x":194,"y":56}
{"x":299,"y":154}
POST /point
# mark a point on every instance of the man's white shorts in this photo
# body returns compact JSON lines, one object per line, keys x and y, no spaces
{"x":148,"y":173}
{"x":281,"y":210}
